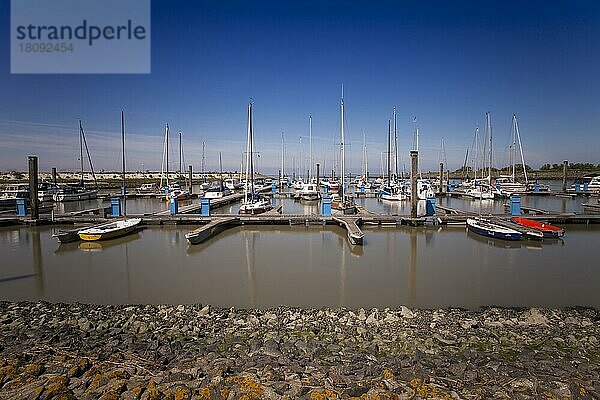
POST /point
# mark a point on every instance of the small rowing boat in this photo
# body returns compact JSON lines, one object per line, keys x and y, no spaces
{"x":110,"y":230}
{"x":487,"y":228}
{"x":67,"y":236}
{"x":549,"y":231}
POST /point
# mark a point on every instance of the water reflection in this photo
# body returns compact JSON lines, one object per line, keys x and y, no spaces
{"x":412,"y":266}
{"x":533,"y":244}
{"x":267,"y":266}
{"x":38,"y":266}
{"x":100,"y":245}
{"x":250,"y":241}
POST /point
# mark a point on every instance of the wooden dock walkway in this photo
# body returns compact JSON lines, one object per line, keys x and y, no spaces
{"x":100,"y":211}
{"x":355,"y":235}
{"x":591,"y":207}
{"x":214,"y":204}
{"x":217,"y":224}
{"x":529,"y":210}
{"x":453,"y":211}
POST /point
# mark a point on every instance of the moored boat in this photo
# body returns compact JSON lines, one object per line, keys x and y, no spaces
{"x":548,"y":231}
{"x":485,"y":227}
{"x":309,"y":192}
{"x":253,"y":202}
{"x":67,"y":236}
{"x":75,"y":192}
{"x":392,"y":194}
{"x":109,"y":230}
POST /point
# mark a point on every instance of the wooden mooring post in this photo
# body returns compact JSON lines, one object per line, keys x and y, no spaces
{"x":33,"y":187}
{"x":414,"y":170}
{"x":441,"y":187}
{"x":564,"y":182}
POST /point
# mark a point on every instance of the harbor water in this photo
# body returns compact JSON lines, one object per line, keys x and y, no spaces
{"x":267,"y":266}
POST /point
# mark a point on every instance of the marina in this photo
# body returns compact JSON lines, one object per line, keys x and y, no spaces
{"x":334,"y":200}
{"x":272,"y":244}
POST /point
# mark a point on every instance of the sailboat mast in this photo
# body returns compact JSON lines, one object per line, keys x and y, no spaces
{"x":310,"y":156}
{"x":282,"y":156}
{"x":81,"y":149}
{"x":251,"y":153}
{"x":366,"y":161}
{"x":87,"y":151}
{"x":490,"y":133}
{"x":388,"y":152}
{"x":247,"y":154}
{"x":342,"y":159}
{"x":395,"y":146}
{"x":518,"y":134}
{"x":167,"y":151}
{"x":221,"y":171}
{"x":180,"y":155}
{"x":512,"y":148}
{"x":488,"y":126}
{"x":203,"y":162}
{"x":476,"y":158}
{"x":123,"y":164}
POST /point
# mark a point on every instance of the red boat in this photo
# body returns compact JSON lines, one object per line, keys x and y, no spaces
{"x":549,"y":231}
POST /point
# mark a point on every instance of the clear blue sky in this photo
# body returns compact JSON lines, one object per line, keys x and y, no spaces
{"x":446,"y":62}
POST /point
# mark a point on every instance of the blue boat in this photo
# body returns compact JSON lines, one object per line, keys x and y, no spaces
{"x":485,"y":227}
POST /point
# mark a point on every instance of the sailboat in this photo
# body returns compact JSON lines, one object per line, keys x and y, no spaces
{"x":481,"y":189}
{"x":341,"y":201}
{"x":119,"y":227}
{"x":218,"y":189}
{"x":253,"y":202}
{"x":309,"y":190}
{"x":390,"y":192}
{"x":547,"y":230}
{"x":78,"y":191}
{"x":485,"y":227}
{"x":507,"y":185}
{"x":175,"y":190}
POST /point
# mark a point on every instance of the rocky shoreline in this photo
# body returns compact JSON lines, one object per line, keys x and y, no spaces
{"x":76,"y":351}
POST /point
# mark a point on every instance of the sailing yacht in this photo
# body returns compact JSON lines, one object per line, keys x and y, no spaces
{"x":390,"y":192}
{"x":121,"y":226}
{"x":78,"y":191}
{"x":175,"y":190}
{"x":253,"y":202}
{"x":309,"y":192}
{"x":218,"y":189}
{"x":342,"y":202}
{"x":507,"y":184}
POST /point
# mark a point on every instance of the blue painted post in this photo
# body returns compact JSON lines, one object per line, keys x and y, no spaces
{"x":362,"y":188}
{"x":585,"y":187}
{"x":21,"y":207}
{"x":578,"y":187}
{"x":273,"y":187}
{"x":515,"y":205}
{"x":205,"y":207}
{"x":326,"y":206}
{"x":325,"y":189}
{"x":173,"y":206}
{"x":430,"y":207}
{"x":536,"y":187}
{"x":166,"y":188}
{"x":115,"y":207}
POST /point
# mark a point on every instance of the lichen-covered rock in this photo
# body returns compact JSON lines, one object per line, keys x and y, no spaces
{"x":51,"y":351}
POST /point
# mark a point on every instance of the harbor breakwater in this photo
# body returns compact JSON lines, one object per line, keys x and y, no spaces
{"x":68,"y":351}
